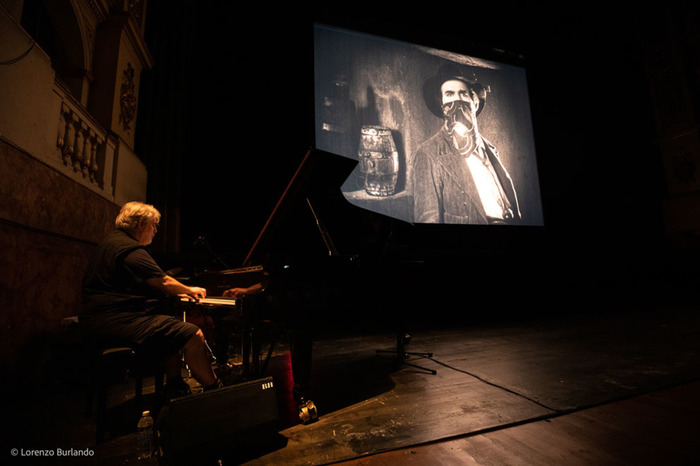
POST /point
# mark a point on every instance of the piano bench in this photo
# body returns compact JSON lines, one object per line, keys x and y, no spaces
{"x":111,"y":364}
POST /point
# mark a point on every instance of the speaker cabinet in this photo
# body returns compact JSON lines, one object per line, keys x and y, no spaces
{"x":219,"y":422}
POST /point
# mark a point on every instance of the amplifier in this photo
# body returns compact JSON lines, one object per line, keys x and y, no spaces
{"x":218,"y":422}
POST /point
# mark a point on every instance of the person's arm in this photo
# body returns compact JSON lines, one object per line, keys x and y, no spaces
{"x":238,"y":292}
{"x":172,"y":287}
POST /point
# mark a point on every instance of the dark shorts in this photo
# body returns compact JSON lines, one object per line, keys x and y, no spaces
{"x":155,"y":332}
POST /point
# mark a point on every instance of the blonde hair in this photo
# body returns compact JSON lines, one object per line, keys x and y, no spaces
{"x":132,"y":213}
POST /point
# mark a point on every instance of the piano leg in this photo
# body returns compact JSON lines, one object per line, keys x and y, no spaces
{"x":301,"y":351}
{"x":301,"y":344}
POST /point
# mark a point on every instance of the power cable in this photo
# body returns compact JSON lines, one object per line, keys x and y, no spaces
{"x":500,"y":387}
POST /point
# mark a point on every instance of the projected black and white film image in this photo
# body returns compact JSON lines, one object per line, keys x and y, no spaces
{"x":439,"y":137}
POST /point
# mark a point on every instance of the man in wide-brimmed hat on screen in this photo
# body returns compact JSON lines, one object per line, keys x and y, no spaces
{"x":458,"y":175}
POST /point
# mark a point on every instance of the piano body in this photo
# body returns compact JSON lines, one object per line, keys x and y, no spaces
{"x":317,"y":256}
{"x":325,"y":258}
{"x":217,"y":282}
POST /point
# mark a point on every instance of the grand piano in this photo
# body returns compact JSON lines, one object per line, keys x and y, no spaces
{"x":321,"y":261}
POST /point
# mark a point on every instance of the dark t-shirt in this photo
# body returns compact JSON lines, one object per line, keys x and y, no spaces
{"x":117,"y":273}
{"x":140,"y":266}
{"x":117,"y":302}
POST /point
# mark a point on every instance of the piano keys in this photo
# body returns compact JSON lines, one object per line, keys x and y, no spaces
{"x":213,"y":301}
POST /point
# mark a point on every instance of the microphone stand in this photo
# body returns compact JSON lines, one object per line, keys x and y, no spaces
{"x":203,"y":241}
{"x":403,"y":338}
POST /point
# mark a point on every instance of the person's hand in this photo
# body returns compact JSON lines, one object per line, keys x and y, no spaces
{"x":196,"y":292}
{"x":235,"y":292}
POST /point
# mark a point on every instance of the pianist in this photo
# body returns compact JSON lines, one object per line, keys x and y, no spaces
{"x":123,"y":300}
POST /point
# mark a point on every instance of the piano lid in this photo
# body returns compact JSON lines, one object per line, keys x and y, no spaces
{"x":311,"y":201}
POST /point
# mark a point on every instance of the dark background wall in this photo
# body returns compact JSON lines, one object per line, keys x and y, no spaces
{"x":226,"y":116}
{"x":244,"y":97}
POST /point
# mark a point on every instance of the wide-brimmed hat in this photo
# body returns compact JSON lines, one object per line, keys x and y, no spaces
{"x":433,"y":95}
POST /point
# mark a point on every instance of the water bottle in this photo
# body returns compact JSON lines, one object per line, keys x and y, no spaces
{"x":144,"y":442}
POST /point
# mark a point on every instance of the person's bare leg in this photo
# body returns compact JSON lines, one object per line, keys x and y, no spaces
{"x":173,"y":364}
{"x":198,"y":360}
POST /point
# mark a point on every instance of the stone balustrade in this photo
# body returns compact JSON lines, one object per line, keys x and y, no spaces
{"x":80,"y":143}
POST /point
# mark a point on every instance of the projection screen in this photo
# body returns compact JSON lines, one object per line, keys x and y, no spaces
{"x":439,"y":137}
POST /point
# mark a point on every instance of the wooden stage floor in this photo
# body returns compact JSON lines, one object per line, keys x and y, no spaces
{"x":599,"y":389}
